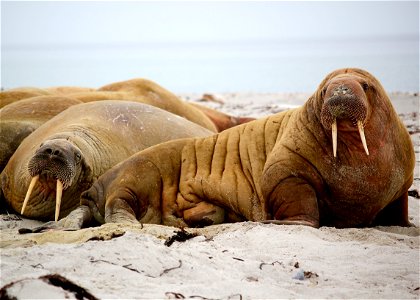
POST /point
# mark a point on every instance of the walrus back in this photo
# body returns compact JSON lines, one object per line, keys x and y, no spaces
{"x":106,"y":132}
{"x":226,"y":168}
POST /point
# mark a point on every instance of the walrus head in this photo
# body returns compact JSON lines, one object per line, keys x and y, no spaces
{"x":55,"y":162}
{"x":345,"y":106}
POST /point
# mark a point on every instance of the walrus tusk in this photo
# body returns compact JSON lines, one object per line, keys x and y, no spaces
{"x":334,"y":136}
{"x":28,"y":193}
{"x":58,"y":195}
{"x":362,"y":135}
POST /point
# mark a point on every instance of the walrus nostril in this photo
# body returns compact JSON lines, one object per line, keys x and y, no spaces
{"x":343,"y":90}
{"x":50,"y":151}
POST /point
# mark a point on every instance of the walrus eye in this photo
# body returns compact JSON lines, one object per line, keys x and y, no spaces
{"x":365,"y":86}
{"x":86,"y":195}
{"x":323,"y":91}
{"x":78,"y":157}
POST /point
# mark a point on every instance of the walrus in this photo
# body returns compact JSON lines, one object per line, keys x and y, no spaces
{"x":343,"y":159}
{"x":21,"y":118}
{"x":16,"y":94}
{"x":138,"y":90}
{"x":65,"y":90}
{"x":64,"y":156}
{"x":160,"y":97}
{"x":221,"y":120}
{"x":207,"y":117}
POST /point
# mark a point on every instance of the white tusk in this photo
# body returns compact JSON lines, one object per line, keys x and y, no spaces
{"x":334,"y":136}
{"x":28,"y":193}
{"x":58,"y":199}
{"x":362,"y":135}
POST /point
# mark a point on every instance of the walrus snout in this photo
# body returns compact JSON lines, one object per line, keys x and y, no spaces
{"x":57,"y":159}
{"x":344,"y":107}
{"x":344,"y":102}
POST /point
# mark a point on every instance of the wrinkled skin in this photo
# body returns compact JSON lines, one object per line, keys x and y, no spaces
{"x":29,"y":108}
{"x":79,"y":145}
{"x":281,"y":169}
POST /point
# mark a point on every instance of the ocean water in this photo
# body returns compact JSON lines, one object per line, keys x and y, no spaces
{"x":229,"y":66}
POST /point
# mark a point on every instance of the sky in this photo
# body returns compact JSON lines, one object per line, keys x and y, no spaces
{"x":193,"y":46}
{"x":134,"y":22}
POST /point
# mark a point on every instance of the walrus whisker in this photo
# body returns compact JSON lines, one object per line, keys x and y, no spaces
{"x":58,"y":195}
{"x":362,"y":135}
{"x":29,"y":192}
{"x":334,"y":136}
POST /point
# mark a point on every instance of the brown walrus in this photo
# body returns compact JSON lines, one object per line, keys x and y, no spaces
{"x":138,"y":90}
{"x":75,"y":147}
{"x":204,"y":116}
{"x":13,"y":95}
{"x":221,"y":120}
{"x":343,"y":159}
{"x":19,"y":119}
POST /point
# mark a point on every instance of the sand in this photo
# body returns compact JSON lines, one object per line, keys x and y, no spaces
{"x":230,"y":261}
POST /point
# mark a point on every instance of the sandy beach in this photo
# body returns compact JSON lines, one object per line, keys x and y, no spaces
{"x":230,"y":261}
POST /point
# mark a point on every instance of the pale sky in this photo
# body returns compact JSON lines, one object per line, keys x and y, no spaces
{"x":197,"y":46}
{"x":41,"y":22}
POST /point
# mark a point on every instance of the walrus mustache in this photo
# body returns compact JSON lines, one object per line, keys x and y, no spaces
{"x":348,"y":107}
{"x":360,"y":127}
{"x":59,"y":169}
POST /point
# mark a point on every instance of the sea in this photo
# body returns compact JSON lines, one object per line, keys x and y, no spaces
{"x":262,"y":66}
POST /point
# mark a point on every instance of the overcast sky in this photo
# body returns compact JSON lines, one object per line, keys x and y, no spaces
{"x":133,"y":22}
{"x":275,"y":45}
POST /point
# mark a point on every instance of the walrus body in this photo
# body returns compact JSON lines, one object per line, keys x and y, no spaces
{"x":221,"y":120}
{"x":78,"y":145}
{"x":21,"y":118}
{"x":162,"y":98}
{"x":137,"y":90}
{"x":312,"y":165}
{"x":17,"y":94}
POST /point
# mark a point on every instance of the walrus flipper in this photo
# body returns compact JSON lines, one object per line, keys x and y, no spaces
{"x":289,"y":222}
{"x":77,"y":219}
{"x":294,"y":201}
{"x":291,"y":186}
{"x":394,"y":214}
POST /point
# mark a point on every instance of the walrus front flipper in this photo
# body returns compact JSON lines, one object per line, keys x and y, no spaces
{"x":76,"y":220}
{"x":119,"y":211}
{"x":290,"y":222}
{"x":394,"y":214}
{"x":293,"y":201}
{"x":204,"y":214}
